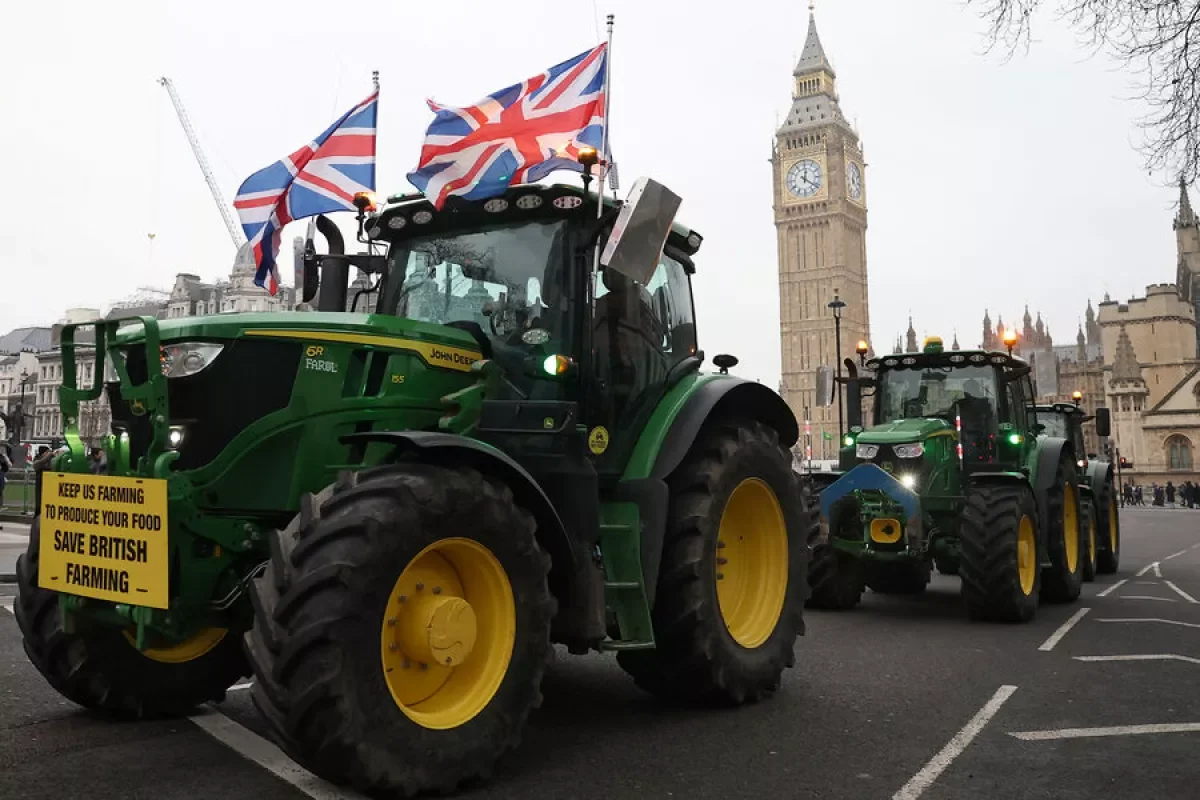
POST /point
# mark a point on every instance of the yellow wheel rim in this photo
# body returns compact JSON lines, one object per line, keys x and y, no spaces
{"x":1071,"y":529}
{"x":752,"y":563}
{"x":1112,"y":526}
{"x":1026,"y":555}
{"x":447,"y":633}
{"x":188,"y":650}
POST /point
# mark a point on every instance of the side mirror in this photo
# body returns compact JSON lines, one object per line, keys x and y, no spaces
{"x":725,"y":362}
{"x":1103,"y":422}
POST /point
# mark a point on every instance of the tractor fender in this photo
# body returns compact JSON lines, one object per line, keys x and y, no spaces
{"x":450,"y":449}
{"x":1047,"y":468}
{"x":722,"y":398}
{"x":1099,"y":473}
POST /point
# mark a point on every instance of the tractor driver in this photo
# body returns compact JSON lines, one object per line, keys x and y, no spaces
{"x":977,"y":413}
{"x":628,"y":339}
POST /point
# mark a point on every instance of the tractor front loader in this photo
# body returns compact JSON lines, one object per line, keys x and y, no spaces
{"x":949,"y":472}
{"x":388,"y":518}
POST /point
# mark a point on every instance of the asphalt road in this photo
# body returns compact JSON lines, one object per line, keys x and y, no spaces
{"x":900,"y":698}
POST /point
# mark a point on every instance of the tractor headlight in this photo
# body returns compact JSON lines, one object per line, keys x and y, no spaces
{"x":181,"y":359}
{"x":908,"y":481}
{"x":867,"y":451}
{"x":909,"y":450}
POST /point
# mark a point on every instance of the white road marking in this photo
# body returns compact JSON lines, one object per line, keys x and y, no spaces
{"x":250,"y":745}
{"x":6,"y":603}
{"x":1147,"y":568}
{"x":1153,"y":619}
{"x":1157,"y":569}
{"x":1106,"y":592}
{"x":1057,"y":636}
{"x":1141,"y":657}
{"x":237,"y":687}
{"x":1174,"y":555}
{"x":1119,"y":730}
{"x":1182,"y":593}
{"x":1146,"y":597}
{"x":954,"y":748}
{"x":14,"y":538}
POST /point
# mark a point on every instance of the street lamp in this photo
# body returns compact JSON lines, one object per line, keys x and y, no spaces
{"x":837,"y":304}
{"x":20,"y":426}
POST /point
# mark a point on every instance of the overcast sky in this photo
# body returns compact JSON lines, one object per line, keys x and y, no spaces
{"x":989,"y":183}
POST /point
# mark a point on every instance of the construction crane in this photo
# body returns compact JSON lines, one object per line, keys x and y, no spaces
{"x":235,"y":231}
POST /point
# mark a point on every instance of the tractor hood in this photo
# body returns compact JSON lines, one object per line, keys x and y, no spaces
{"x":904,"y":430}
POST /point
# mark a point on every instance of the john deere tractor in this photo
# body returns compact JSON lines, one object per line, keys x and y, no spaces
{"x":389,"y":518}
{"x":950,"y":471}
{"x":1097,"y":487}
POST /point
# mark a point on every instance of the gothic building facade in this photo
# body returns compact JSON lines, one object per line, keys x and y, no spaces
{"x":820,"y":209}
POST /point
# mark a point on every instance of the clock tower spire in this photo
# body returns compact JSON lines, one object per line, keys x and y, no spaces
{"x":820,"y":210}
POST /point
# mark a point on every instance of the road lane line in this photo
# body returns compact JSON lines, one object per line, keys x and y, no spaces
{"x":1057,"y":636}
{"x":954,"y":748}
{"x":6,"y":603}
{"x":1119,"y":730}
{"x":237,"y":687}
{"x":1157,"y":569}
{"x":1140,"y":657}
{"x":1147,"y":568}
{"x":251,"y":746}
{"x":1175,"y":555}
{"x":1153,"y":619}
{"x":1182,"y":593}
{"x":1119,"y":583}
{"x":1147,"y":597}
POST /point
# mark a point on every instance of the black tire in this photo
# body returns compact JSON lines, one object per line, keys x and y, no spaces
{"x":1090,"y":553}
{"x":989,"y":561}
{"x":946,"y":565}
{"x":835,"y":578}
{"x":1061,"y":583}
{"x":98,"y":668}
{"x":319,"y":611}
{"x":1108,"y":531}
{"x":899,"y":577}
{"x":696,"y":657}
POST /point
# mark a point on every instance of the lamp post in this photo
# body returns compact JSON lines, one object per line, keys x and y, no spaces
{"x":837,"y":304}
{"x":20,"y":426}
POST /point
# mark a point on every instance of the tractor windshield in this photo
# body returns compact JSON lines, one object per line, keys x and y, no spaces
{"x":925,"y":391}
{"x":1053,"y":424}
{"x":506,"y":278}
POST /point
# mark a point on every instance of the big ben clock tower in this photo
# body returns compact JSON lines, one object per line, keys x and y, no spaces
{"x":820,"y":207}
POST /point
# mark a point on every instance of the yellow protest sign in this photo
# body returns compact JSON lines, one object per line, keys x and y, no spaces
{"x":105,"y":537}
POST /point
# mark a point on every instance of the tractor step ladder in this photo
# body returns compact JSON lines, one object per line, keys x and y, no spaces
{"x":624,"y":591}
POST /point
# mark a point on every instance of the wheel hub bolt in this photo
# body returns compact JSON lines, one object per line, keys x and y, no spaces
{"x":420,"y":586}
{"x":393,"y":647}
{"x":720,"y":544}
{"x":424,"y":666}
{"x":437,"y":590}
{"x":392,"y":622}
{"x":720,"y":576}
{"x":722,"y":560}
{"x":403,"y":598}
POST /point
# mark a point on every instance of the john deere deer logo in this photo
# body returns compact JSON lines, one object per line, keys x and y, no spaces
{"x":137,"y":407}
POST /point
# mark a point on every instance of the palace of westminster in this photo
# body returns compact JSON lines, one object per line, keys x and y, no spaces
{"x":1137,"y":357}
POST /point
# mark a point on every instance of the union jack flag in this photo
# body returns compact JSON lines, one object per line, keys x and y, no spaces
{"x":516,"y":135}
{"x":320,"y":177}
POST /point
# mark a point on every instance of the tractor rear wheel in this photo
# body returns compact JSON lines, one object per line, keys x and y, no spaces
{"x":1088,"y":507}
{"x":100,"y":667}
{"x":732,"y":585}
{"x":1063,"y":579}
{"x":999,"y":562}
{"x":401,"y":629}
{"x":1108,"y":531}
{"x":899,"y":577}
{"x":835,"y":578}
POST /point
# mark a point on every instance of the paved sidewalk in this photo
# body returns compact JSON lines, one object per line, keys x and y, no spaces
{"x":14,"y":537}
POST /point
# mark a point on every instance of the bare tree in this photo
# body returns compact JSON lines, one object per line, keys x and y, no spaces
{"x":1158,"y":39}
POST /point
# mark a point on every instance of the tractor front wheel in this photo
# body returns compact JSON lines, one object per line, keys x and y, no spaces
{"x":99,"y":666}
{"x":732,"y":585}
{"x":1108,"y":531}
{"x":401,"y":629}
{"x":835,"y":578}
{"x":1089,"y":540}
{"x":1063,"y":579}
{"x":999,"y":562}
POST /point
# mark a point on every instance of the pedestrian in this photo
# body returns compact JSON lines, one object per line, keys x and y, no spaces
{"x":96,"y":462}
{"x":1170,"y":490}
{"x":40,"y":463}
{"x":5,"y":466}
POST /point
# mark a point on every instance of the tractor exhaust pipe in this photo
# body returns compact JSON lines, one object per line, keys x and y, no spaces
{"x":334,"y":273}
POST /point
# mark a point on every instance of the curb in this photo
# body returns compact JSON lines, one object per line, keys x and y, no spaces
{"x":7,"y":577}
{"x":24,"y":519}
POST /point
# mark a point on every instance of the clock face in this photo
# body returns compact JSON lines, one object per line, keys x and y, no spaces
{"x":854,"y":181}
{"x":804,"y":178}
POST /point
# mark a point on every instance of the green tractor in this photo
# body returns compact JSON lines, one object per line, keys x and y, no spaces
{"x":950,"y":472}
{"x":390,"y":518}
{"x":1097,"y":485}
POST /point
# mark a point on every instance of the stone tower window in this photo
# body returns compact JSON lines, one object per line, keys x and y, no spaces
{"x":1179,"y":452}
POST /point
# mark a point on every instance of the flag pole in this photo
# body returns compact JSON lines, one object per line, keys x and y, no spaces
{"x":604,"y":133}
